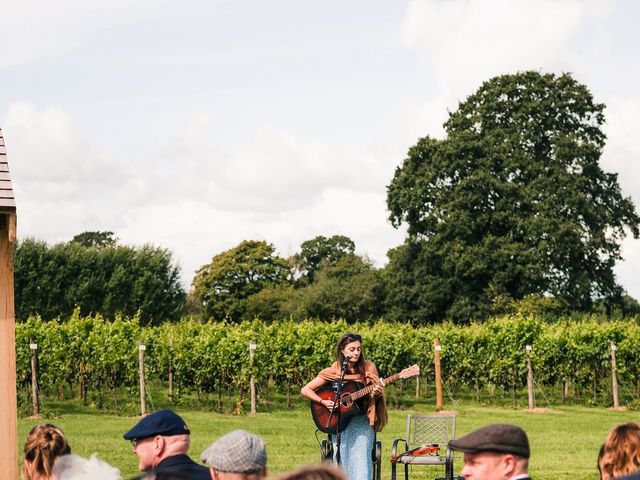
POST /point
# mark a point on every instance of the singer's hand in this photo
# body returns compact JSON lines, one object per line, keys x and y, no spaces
{"x":327,"y":403}
{"x":377,"y":390}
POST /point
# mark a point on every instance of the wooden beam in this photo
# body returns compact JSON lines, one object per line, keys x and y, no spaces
{"x":8,"y":402}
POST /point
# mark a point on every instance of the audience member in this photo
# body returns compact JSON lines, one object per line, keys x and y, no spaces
{"x":496,"y":452}
{"x":321,"y":471}
{"x":74,"y":467}
{"x":620,"y":454}
{"x":238,"y":455}
{"x":44,"y":444}
{"x":161,"y":441}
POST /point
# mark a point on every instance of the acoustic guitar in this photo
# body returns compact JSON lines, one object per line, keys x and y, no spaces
{"x":353,"y":401}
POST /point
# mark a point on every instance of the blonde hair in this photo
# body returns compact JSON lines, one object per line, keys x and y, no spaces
{"x":322,"y":471}
{"x":44,"y":444}
{"x":620,"y":454}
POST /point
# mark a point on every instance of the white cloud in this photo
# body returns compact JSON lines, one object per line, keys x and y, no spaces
{"x":37,"y":30}
{"x":465,"y":42}
{"x":190,"y":195}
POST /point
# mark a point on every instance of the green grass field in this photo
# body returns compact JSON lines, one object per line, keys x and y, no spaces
{"x":564,"y":444}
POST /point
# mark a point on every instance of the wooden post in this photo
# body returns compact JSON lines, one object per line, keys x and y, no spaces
{"x":418,"y":388}
{"x":614,"y":376}
{"x":34,"y":378}
{"x":8,"y":394}
{"x":143,"y":404}
{"x":252,"y":351}
{"x":532,"y":398}
{"x":436,"y":356}
{"x":171,"y":369}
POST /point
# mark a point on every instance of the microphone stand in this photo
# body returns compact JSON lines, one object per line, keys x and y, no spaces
{"x":336,"y":406}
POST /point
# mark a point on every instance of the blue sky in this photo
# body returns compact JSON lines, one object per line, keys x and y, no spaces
{"x":196,"y":125}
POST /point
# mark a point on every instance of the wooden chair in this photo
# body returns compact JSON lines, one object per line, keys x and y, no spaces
{"x":425,"y":444}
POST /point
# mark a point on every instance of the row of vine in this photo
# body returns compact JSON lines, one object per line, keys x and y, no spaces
{"x":84,"y":353}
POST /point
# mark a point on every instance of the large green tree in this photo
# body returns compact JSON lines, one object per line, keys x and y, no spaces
{"x":223,"y":286}
{"x":318,"y":252}
{"x":348,"y":288}
{"x":511,"y":202}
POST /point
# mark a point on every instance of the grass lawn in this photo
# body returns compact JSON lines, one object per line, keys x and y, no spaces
{"x":564,"y":444}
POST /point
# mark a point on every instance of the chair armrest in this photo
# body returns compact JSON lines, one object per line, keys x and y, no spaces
{"x":394,"y":448}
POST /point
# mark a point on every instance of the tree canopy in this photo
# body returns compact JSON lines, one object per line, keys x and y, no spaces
{"x":52,"y":281}
{"x":95,"y":239}
{"x":223,"y":286}
{"x":321,"y":251}
{"x":512,"y":202}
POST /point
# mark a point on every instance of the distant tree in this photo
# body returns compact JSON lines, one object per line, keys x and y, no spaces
{"x":224,"y":285}
{"x":349,"y":288}
{"x":95,"y":239}
{"x":321,"y":251}
{"x":53,"y":280}
{"x":511,"y":203}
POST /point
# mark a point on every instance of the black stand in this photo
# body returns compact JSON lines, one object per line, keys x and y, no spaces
{"x":336,"y":406}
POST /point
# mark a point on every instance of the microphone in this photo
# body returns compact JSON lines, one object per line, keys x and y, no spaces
{"x":345,"y":361}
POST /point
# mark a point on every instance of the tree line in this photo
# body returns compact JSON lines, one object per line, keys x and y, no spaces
{"x":510,"y":206}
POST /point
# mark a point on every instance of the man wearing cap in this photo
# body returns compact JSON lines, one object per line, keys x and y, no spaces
{"x":238,"y":455}
{"x":496,"y":452}
{"x":161,"y":441}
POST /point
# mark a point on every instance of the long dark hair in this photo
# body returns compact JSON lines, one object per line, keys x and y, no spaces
{"x":344,"y":341}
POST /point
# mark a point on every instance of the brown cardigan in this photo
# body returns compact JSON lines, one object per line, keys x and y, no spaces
{"x":377,"y":411}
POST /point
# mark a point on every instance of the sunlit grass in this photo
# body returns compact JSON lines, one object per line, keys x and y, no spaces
{"x":564,"y":444}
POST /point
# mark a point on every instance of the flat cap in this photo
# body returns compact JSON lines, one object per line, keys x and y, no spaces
{"x":238,"y":451}
{"x":164,"y":422}
{"x":497,"y":437}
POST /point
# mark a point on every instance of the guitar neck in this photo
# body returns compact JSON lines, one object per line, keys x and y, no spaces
{"x":369,"y":389}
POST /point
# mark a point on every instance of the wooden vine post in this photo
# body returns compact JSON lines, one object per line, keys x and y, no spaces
{"x":8,"y":394}
{"x":532,"y":397}
{"x":436,"y":357}
{"x":34,"y":378}
{"x":171,"y":369}
{"x":252,"y":351}
{"x":143,"y":404}
{"x":614,"y":376}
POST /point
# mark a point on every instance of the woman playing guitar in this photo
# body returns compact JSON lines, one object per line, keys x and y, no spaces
{"x":356,"y":442}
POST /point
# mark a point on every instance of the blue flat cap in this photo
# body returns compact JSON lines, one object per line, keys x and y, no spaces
{"x":164,"y":422}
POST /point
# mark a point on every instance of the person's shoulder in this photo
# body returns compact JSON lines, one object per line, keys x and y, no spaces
{"x":182,"y":461}
{"x":331,"y":368}
{"x":633,"y":476}
{"x":368,"y":364}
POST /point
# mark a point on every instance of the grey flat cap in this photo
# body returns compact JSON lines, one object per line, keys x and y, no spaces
{"x":497,"y":437}
{"x":238,"y":451}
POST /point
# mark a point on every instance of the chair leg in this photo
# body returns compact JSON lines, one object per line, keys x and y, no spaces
{"x":377,"y":459}
{"x":449,"y":465}
{"x":393,"y":471}
{"x":406,"y":471}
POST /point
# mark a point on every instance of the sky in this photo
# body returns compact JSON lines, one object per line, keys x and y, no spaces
{"x":195,"y":125}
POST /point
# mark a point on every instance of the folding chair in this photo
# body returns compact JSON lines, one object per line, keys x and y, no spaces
{"x":425,"y":443}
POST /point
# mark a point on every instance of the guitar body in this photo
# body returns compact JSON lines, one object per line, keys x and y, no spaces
{"x":338,"y":421}
{"x":354,"y":399}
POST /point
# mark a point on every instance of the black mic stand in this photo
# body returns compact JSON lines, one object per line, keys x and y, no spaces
{"x":336,"y":406}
